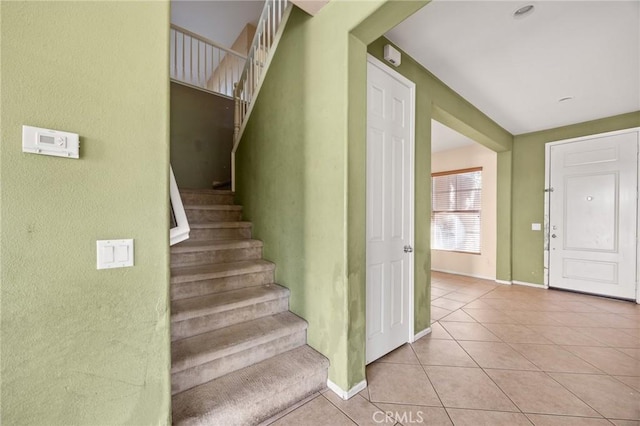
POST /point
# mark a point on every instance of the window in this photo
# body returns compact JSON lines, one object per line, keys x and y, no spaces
{"x":455,"y":216}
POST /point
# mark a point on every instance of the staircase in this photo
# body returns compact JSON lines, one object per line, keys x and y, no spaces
{"x":238,"y":356}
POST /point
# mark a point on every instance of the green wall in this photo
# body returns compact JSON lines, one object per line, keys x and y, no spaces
{"x":301,"y":169}
{"x":201,"y":137}
{"x":294,"y":168}
{"x":82,"y":346}
{"x":528,"y":189}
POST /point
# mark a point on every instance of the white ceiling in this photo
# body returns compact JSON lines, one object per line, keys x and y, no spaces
{"x":444,"y":138}
{"x":516,"y":70}
{"x":218,"y":20}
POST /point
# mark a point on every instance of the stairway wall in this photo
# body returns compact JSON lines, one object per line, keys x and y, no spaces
{"x":201,"y":137}
{"x":294,"y":166}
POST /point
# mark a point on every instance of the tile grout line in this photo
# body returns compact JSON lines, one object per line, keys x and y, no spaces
{"x":509,"y":344}
{"x":430,"y":382}
{"x":483,"y":370}
{"x":544,"y":372}
{"x":341,"y":410}
{"x":572,"y":393}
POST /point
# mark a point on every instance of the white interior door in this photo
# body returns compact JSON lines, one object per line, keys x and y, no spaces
{"x":593,"y":215}
{"x":389,"y":204}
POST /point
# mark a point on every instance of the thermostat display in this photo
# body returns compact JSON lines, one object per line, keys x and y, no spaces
{"x":50,"y":142}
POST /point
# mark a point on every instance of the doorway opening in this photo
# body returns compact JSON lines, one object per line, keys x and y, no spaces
{"x":463,"y":217}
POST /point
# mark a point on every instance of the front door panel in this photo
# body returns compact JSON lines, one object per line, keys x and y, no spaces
{"x":593,"y":215}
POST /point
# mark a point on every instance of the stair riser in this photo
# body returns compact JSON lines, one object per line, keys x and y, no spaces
{"x":215,"y":256}
{"x":208,"y":234}
{"x":263,"y":409}
{"x":203,"y":216}
{"x":199,"y":325}
{"x":200,"y":374}
{"x":206,"y":199}
{"x":218,"y":285}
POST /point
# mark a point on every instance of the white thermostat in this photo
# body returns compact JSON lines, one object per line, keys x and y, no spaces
{"x":50,"y":142}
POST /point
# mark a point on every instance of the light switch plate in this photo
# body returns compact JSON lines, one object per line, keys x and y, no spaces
{"x":114,"y":253}
{"x":536,"y":227}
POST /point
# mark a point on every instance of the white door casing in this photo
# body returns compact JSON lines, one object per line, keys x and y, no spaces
{"x":389,"y":209}
{"x":593,"y":214}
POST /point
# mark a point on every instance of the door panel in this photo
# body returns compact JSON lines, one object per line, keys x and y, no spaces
{"x":375,"y":300}
{"x":591,"y":212}
{"x":593,"y":215}
{"x":389,"y":211}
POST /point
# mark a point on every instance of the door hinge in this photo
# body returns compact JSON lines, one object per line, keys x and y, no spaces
{"x":548,"y":190}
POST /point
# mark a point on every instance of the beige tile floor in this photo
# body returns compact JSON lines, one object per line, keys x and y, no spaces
{"x":500,"y":355}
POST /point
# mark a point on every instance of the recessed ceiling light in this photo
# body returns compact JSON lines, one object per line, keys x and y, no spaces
{"x":566,"y":98}
{"x":523,"y":11}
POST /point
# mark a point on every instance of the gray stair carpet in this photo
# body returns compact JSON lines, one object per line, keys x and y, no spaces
{"x":238,"y":356}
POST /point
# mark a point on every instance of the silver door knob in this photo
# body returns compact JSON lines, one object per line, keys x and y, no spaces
{"x":408,"y":249}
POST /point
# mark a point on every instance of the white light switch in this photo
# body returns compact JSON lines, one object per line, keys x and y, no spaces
{"x":114,"y":253}
{"x":122,"y":253}
{"x":107,"y":254}
{"x":536,"y":227}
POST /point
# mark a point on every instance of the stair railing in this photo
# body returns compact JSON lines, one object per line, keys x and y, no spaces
{"x":201,"y":63}
{"x":268,"y":32}
{"x":179,"y":230}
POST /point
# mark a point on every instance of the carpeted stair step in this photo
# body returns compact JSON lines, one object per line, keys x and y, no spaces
{"x":213,"y":213}
{"x":205,"y":357}
{"x":218,"y":251}
{"x":206,"y":196}
{"x":192,"y":281}
{"x":197,"y":315}
{"x":220,"y":231}
{"x":253,"y":394}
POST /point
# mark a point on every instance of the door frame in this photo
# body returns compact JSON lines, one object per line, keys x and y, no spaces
{"x":547,"y":205}
{"x":410,"y":190}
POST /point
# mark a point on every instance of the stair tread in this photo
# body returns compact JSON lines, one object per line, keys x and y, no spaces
{"x":233,"y":207}
{"x":218,"y":225}
{"x":190,"y":246}
{"x":197,"y":350}
{"x":227,"y":398}
{"x":220,"y":270}
{"x":185,"y":309}
{"x":207,"y":191}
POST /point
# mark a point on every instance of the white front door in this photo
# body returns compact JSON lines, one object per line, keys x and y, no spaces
{"x":389,"y":204}
{"x":593,"y":215}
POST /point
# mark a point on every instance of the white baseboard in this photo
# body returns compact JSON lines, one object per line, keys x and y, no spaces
{"x":530,"y":284}
{"x":346,"y":394}
{"x":422,"y":334}
{"x":504,"y":282}
{"x":464,"y":274}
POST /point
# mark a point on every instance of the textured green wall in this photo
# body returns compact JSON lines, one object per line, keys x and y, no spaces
{"x":201,"y":137}
{"x":528,"y":189}
{"x":82,"y":346}
{"x":504,"y":241}
{"x":294,"y":167}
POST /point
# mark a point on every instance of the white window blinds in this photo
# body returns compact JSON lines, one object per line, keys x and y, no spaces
{"x":456,"y":205}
